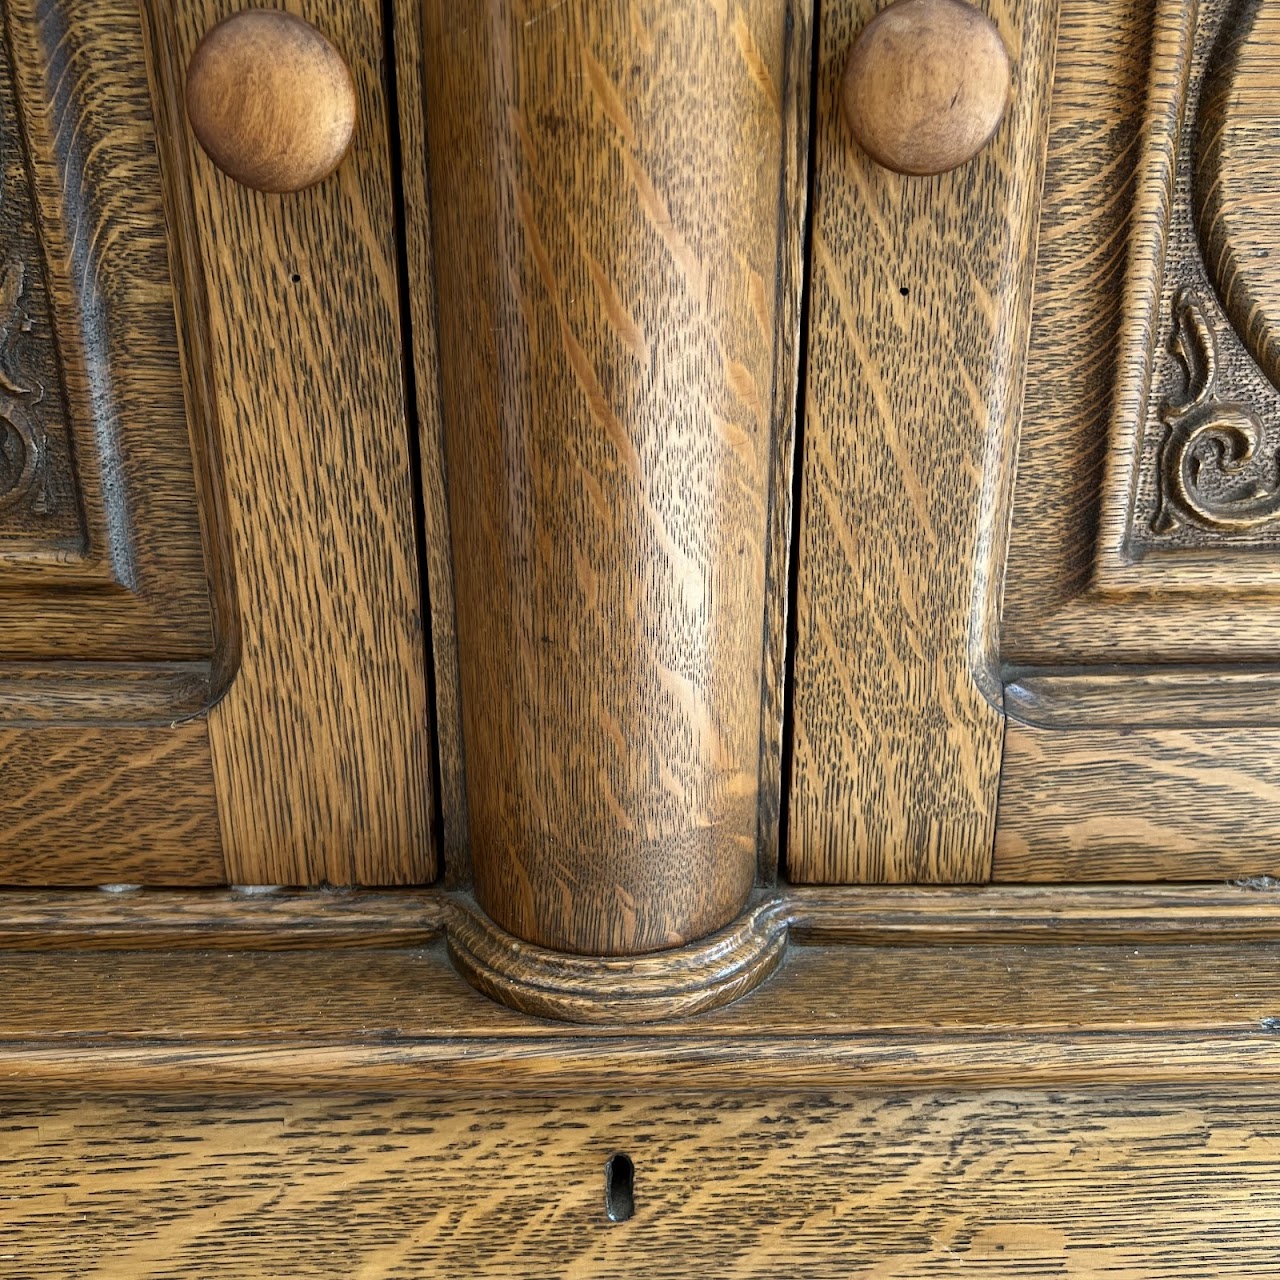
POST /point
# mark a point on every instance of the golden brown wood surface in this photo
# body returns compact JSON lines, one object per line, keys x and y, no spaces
{"x":1153,"y":758}
{"x":108,"y":564}
{"x":1137,"y":1185}
{"x":617,"y":302}
{"x":1048,"y":1015}
{"x":1139,"y":512}
{"x":647,"y":987}
{"x":901,"y":915}
{"x":1238,"y":181}
{"x":1030,"y":915}
{"x":321,"y":746}
{"x":1138,"y":804}
{"x":423,"y":364}
{"x":115,"y":805}
{"x":101,"y":553}
{"x":918,"y":323}
{"x":271,"y":100}
{"x":115,"y":603}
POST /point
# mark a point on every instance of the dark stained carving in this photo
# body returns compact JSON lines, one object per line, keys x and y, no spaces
{"x":22,"y":440}
{"x":1209,"y":468}
{"x":38,"y":505}
{"x":1213,"y":469}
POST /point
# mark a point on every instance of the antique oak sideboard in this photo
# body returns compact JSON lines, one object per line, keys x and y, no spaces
{"x":639,"y":638}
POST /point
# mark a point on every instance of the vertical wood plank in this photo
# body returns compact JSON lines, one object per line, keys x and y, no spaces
{"x":918,"y":328}
{"x":321,"y":746}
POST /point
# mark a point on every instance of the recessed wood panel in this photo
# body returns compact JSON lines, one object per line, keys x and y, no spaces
{"x":1142,"y":535}
{"x":116,"y":619}
{"x":1138,"y":804}
{"x":113,"y":804}
{"x":1140,"y":620}
{"x":109,"y":546}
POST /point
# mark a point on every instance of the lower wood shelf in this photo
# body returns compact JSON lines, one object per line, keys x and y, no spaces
{"x":933,"y":1083}
{"x":880,"y":989}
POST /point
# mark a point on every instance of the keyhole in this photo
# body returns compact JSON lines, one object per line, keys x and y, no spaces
{"x":619,"y":1188}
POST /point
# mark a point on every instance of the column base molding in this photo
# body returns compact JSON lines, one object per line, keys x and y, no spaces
{"x":619,"y":989}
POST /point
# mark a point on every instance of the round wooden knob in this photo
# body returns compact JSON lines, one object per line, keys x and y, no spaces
{"x":271,"y":100}
{"x":926,"y":85}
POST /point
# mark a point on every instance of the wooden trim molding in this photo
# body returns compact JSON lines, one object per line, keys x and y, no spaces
{"x":126,"y":918}
{"x":878,"y":988}
{"x":617,"y":989}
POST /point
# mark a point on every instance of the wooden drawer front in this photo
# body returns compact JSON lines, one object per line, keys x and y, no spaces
{"x":1155,"y":1186}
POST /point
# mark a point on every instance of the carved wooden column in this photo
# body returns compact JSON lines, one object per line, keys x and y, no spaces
{"x":616,"y":218}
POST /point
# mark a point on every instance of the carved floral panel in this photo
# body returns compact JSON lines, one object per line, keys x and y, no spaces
{"x":1210,"y":464}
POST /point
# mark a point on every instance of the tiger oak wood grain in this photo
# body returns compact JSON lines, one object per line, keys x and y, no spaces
{"x":321,"y":746}
{"x":918,"y":325}
{"x":1136,"y":1184}
{"x":1096,"y":574}
{"x":652,"y":986}
{"x":407,"y":38}
{"x":115,"y":601}
{"x":1138,"y":804}
{"x":1237,"y":181}
{"x":1121,"y":74}
{"x":292,"y":1022}
{"x":108,"y":806}
{"x":1167,"y":771}
{"x":128,"y":581}
{"x":1028,"y":915}
{"x":617,"y":380}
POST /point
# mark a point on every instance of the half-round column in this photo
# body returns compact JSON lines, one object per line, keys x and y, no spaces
{"x":612,"y":216}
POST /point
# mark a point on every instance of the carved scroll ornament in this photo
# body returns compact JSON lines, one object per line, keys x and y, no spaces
{"x":22,"y":442}
{"x":1212,"y":470}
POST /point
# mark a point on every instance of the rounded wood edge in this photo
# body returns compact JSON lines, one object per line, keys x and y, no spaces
{"x":619,"y":989}
{"x":271,"y":100}
{"x":926,"y":85}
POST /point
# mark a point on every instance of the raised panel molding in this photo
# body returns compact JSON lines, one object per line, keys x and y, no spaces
{"x":1144,"y":530}
{"x":1139,"y":635}
{"x":115,"y":600}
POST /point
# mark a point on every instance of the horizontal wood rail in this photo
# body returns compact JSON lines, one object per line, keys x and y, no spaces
{"x":197,"y":993}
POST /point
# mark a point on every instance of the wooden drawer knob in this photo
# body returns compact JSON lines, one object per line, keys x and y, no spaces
{"x":926,"y":85}
{"x":271,"y":100}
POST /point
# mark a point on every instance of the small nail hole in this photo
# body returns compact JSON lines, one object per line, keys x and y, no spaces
{"x":619,"y":1188}
{"x":905,"y":291}
{"x":296,"y":278}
